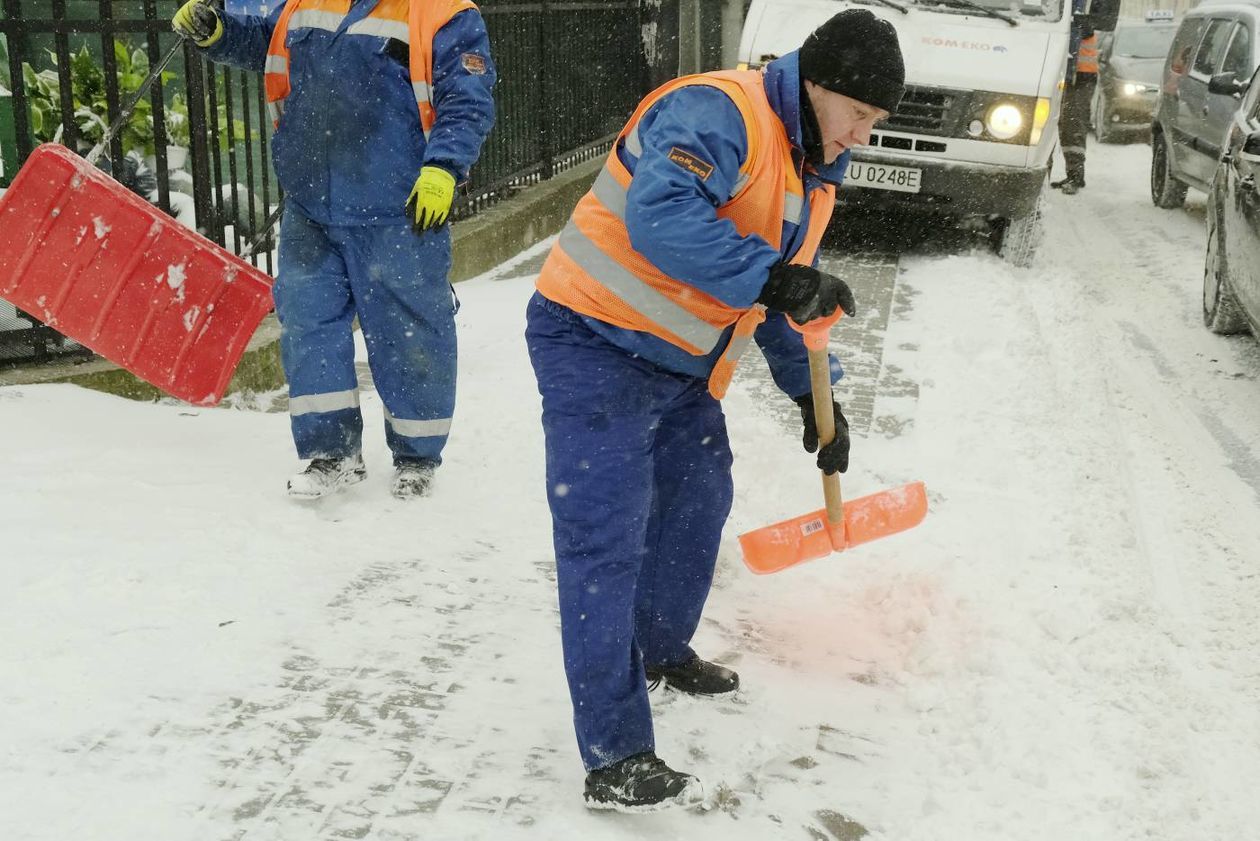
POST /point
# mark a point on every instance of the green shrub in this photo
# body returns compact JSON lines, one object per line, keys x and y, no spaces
{"x":87,"y":86}
{"x":87,"y":90}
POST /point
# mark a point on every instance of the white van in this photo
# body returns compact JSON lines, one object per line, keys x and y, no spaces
{"x":974,"y":134}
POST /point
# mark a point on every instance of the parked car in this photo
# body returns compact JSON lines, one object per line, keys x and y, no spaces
{"x":1231,"y":271}
{"x":1130,"y":61}
{"x":1210,"y":60}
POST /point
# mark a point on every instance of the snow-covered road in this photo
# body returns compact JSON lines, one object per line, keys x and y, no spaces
{"x":1066,"y":648}
{"x":1094,"y":451}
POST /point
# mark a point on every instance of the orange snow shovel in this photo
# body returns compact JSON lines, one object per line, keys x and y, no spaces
{"x":841,"y":525}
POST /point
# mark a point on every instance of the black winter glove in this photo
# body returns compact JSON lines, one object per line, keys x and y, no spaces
{"x":805,"y":293}
{"x":835,"y":456}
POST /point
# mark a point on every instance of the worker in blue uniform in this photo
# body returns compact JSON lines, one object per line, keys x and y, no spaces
{"x":1079,"y":85}
{"x":380,"y":109}
{"x":688,"y":245}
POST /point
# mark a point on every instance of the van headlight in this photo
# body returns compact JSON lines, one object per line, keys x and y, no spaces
{"x":1041,"y":115}
{"x":1135,"y":88}
{"x":1004,"y":121}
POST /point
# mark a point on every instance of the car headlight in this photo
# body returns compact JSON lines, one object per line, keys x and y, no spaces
{"x":1004,"y":121}
{"x":1134,"y":88}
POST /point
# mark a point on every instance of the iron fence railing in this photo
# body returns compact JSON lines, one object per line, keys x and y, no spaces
{"x":570,"y":72}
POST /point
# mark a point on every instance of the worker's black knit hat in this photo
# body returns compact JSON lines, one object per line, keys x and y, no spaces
{"x":858,"y":55}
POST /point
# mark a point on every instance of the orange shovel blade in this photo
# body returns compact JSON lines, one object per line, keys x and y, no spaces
{"x":810,"y":536}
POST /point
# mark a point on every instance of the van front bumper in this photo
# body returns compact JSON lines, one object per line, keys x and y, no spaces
{"x":956,"y":188}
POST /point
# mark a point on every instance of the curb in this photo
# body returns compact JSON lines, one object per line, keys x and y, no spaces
{"x":508,"y":228}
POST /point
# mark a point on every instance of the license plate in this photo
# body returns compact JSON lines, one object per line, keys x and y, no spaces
{"x":883,"y":177}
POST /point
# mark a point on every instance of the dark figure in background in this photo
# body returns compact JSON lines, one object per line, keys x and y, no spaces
{"x":1078,"y":93}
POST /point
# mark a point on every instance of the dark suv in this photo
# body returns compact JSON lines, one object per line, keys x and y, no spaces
{"x":1209,"y":64}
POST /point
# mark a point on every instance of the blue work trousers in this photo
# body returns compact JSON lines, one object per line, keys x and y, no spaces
{"x":396,"y":283}
{"x":639,"y":483}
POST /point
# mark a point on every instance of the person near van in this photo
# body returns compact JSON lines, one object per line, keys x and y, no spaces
{"x":700,"y":234}
{"x":380,"y":108}
{"x":1078,"y":94}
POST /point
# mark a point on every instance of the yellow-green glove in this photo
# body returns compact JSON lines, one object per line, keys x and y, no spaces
{"x":430,"y":201}
{"x":199,"y":21}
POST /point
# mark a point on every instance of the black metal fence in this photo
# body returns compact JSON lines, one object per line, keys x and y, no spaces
{"x":570,"y":72}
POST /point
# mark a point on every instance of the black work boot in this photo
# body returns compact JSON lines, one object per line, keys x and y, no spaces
{"x":639,"y":783}
{"x":324,"y":476}
{"x":695,"y":677}
{"x":413,"y":479}
{"x":1070,"y":186}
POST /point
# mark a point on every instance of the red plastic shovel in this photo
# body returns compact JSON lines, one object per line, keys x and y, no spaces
{"x":90,"y":258}
{"x":96,"y":262}
{"x":841,"y":525}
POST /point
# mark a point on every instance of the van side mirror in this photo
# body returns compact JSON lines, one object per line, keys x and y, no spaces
{"x":1251,"y":148}
{"x":1227,"y":83}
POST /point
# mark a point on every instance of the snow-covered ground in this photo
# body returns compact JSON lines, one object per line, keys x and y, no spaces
{"x":1066,"y":648}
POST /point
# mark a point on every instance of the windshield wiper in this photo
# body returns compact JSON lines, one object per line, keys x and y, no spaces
{"x":985,"y":10}
{"x":889,"y":3}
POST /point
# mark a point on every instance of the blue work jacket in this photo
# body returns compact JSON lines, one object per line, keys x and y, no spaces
{"x":349,"y":146}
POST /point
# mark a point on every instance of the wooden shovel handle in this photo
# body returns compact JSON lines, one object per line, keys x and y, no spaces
{"x":825,"y":419}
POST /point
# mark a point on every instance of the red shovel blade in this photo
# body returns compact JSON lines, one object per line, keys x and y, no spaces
{"x":810,"y":537}
{"x":99,"y":264}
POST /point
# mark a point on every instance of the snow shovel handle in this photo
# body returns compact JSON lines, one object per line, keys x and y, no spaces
{"x":825,"y":420}
{"x":265,"y":233}
{"x":125,"y":113}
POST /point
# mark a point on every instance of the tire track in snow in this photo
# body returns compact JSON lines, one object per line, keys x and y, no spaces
{"x":1147,"y":623}
{"x":1151,"y":404}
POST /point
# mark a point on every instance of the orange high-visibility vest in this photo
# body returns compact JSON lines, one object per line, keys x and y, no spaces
{"x":414,"y":22}
{"x":593,"y":269}
{"x":1087,"y":55}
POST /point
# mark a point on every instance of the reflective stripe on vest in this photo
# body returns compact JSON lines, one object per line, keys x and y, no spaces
{"x":396,"y":29}
{"x":424,"y":95}
{"x":642,"y":297}
{"x":311,"y":19}
{"x":595,"y":271}
{"x":1087,"y":55}
{"x":414,"y":22}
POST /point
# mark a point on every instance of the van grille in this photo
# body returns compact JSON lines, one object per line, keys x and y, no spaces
{"x":922,"y":111}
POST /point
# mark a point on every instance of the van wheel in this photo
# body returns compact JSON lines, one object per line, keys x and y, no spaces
{"x":1221,"y":311}
{"x":1166,"y":190}
{"x":1019,"y":238}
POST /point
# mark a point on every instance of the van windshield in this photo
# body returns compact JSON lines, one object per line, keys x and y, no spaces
{"x":1045,"y":10}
